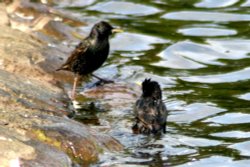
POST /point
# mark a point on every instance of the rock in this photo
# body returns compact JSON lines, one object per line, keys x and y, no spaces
{"x":46,"y":155}
{"x":4,"y":18}
{"x":10,"y":140}
{"x":34,"y":128}
{"x":21,"y":150}
{"x":20,"y":74}
{"x":122,"y":95}
{"x":80,"y":142}
{"x":29,"y":16}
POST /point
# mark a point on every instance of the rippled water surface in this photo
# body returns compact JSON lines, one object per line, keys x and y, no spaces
{"x":198,"y":50}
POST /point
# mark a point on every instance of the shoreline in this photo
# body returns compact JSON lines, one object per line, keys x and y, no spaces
{"x":33,"y":106}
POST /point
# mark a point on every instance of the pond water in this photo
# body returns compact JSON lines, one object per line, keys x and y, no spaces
{"x":198,"y":50}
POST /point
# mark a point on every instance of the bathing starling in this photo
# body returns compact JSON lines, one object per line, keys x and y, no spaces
{"x":150,"y":111}
{"x":90,"y":53}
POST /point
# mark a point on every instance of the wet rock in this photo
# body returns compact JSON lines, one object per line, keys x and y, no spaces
{"x":111,"y":108}
{"x":80,"y":142}
{"x":112,"y":96}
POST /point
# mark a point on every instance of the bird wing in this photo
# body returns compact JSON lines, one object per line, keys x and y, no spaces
{"x":144,"y":113}
{"x":163,"y":112}
{"x":80,"y":49}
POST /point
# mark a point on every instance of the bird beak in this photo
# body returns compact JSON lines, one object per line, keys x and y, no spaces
{"x":116,"y":30}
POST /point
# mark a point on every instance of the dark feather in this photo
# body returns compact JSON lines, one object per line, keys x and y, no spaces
{"x":150,"y":111}
{"x":80,"y":50}
{"x":91,"y":53}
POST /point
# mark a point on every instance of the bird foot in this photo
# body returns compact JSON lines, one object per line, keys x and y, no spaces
{"x":101,"y":80}
{"x":104,"y":81}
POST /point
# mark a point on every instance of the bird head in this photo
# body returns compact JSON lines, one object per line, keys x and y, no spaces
{"x":103,"y":30}
{"x":151,"y":89}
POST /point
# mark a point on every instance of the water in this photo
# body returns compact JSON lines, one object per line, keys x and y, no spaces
{"x":199,"y":52}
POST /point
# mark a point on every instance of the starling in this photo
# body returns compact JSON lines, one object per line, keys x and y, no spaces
{"x":90,"y":53}
{"x":150,"y":111}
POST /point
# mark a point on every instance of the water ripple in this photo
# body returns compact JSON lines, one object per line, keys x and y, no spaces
{"x":236,"y":76}
{"x":134,"y":42}
{"x":245,"y":96}
{"x":242,"y":147}
{"x":125,"y":8}
{"x":169,"y":150}
{"x":232,"y":49}
{"x":207,"y":16}
{"x":209,"y":32}
{"x":215,"y":4}
{"x":190,"y":55}
{"x":197,"y":142}
{"x":230,"y":118}
{"x":219,"y":161}
{"x":194,"y":112}
{"x":246,"y":4}
{"x":232,"y":134}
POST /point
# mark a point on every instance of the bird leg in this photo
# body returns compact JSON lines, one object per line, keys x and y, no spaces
{"x":102,"y":80}
{"x":74,"y":87}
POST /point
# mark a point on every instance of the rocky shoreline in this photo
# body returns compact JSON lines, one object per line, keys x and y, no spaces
{"x":34,"y":127}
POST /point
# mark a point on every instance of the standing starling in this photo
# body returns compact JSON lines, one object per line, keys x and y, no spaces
{"x":90,"y":53}
{"x":150,"y":111}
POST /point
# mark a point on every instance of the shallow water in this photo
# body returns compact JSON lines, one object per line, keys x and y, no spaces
{"x":199,"y":52}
